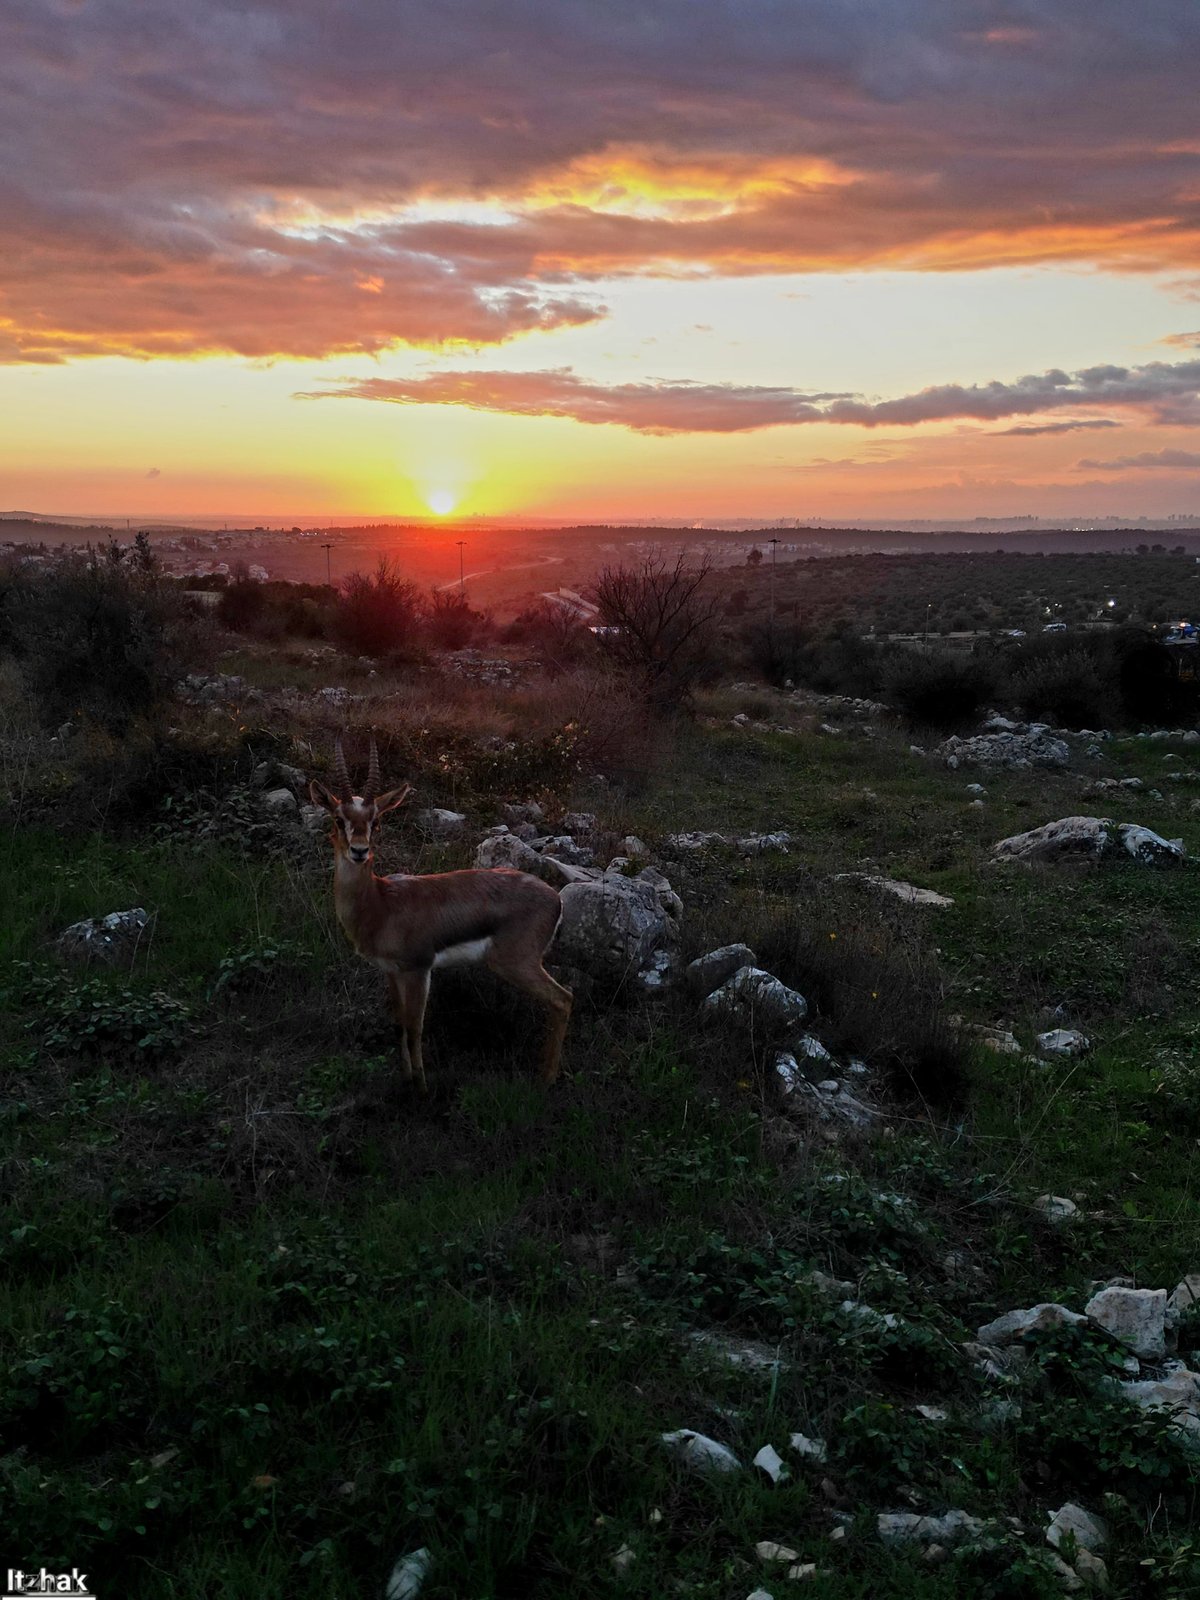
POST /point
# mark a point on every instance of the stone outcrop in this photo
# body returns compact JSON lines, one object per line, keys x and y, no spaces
{"x":1089,"y":839}
{"x":112,"y":940}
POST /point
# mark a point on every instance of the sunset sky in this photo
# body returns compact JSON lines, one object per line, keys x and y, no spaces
{"x":598,"y":259}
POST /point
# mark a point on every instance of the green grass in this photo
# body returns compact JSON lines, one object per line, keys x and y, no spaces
{"x":258,"y":1339}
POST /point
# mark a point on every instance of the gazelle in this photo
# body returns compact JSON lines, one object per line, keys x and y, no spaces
{"x":409,"y":925}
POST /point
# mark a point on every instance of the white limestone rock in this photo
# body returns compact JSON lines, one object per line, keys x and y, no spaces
{"x":709,"y":972}
{"x":1072,"y":1521}
{"x":1136,"y":1317}
{"x":752,"y":994}
{"x":1063,"y":1042}
{"x":698,"y":1451}
{"x":907,"y":1527}
{"x":1014,"y":1325}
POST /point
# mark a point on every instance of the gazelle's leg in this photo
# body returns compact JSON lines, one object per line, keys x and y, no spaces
{"x":535,"y":981}
{"x":415,"y":987}
{"x":398,"y":1005}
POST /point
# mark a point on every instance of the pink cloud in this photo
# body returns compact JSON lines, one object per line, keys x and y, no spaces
{"x":1159,"y":391}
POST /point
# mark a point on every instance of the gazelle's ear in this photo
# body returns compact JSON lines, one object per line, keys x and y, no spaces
{"x":393,"y":798}
{"x":321,"y":796}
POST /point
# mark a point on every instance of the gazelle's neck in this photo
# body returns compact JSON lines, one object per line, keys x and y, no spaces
{"x":354,"y":887}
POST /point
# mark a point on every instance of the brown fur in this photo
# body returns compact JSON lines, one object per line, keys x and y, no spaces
{"x":402,"y":923}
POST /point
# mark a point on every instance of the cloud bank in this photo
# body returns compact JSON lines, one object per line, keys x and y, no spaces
{"x":1159,"y":392}
{"x":296,"y":179}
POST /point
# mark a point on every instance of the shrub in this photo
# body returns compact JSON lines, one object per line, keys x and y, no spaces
{"x":380,"y":614}
{"x":875,"y":980}
{"x":95,"y":1017}
{"x":243,"y":603}
{"x":661,"y":627}
{"x":838,"y":663}
{"x":451,"y":624}
{"x":938,"y":690}
{"x":555,"y":632}
{"x":1066,"y":687}
{"x":98,"y":633}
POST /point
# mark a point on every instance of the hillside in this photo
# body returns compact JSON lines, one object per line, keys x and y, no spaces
{"x":274,"y":1322}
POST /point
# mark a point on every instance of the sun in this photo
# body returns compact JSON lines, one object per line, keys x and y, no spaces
{"x":441,"y":501}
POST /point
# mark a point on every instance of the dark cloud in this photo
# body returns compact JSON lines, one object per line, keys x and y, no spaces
{"x":1033,"y":430}
{"x":188,"y":177}
{"x":1160,"y":392}
{"x":1185,"y":460}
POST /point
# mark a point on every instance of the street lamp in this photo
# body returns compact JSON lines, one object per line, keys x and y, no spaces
{"x":461,"y":579}
{"x":328,"y":569}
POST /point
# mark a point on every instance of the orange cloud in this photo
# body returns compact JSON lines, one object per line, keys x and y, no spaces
{"x":272,"y":180}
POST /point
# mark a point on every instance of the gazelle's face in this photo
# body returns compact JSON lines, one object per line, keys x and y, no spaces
{"x":355,"y":820}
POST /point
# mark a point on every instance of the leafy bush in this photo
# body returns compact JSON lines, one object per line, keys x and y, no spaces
{"x":451,"y":623}
{"x":93,"y":1017}
{"x":379,"y":614}
{"x":837,"y":663}
{"x":938,"y":690}
{"x":1066,"y":688}
{"x":99,"y":633}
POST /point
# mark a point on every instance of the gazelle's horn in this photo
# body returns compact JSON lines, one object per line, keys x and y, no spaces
{"x":372,"y":788}
{"x":342,"y":772}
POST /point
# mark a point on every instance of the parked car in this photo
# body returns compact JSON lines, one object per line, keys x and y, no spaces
{"x":1055,"y":627}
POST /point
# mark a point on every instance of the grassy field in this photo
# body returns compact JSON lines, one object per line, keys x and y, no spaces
{"x":268,"y":1324}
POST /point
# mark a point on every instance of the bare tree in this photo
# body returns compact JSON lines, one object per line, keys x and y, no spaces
{"x":661,"y":625}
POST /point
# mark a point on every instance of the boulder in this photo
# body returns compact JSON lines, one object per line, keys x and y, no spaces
{"x":580,"y":823}
{"x":907,"y":1527}
{"x":1014,"y":1325}
{"x":506,"y":850}
{"x":112,"y":940}
{"x":1149,"y":849}
{"x":670,"y":901}
{"x":631,"y":845}
{"x":530,"y":811}
{"x":757,"y":844}
{"x":698,"y":1451}
{"x":1137,"y":1317}
{"x":1036,"y":748}
{"x":273,"y":773}
{"x":314,"y":819}
{"x":440,"y":823}
{"x":1073,"y":1522}
{"x":1073,"y":838}
{"x":752,"y":994}
{"x":615,"y":927}
{"x":1178,"y":1393}
{"x":1184,"y":1297}
{"x":563,"y":848}
{"x":1063,"y":1042}
{"x":708,"y":972}
{"x":685,"y":843}
{"x":908,"y":892}
{"x":1056,"y":1208}
{"x":281,"y":802}
{"x":1090,"y":839}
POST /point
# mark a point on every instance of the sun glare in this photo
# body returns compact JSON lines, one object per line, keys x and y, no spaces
{"x":441,"y":501}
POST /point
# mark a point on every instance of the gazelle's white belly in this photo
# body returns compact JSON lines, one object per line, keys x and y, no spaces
{"x":459,"y":955}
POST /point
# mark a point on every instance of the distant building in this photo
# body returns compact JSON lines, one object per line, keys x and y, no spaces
{"x":582,"y":610}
